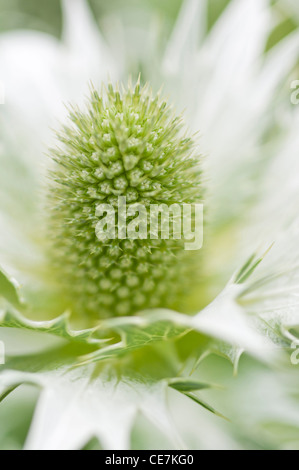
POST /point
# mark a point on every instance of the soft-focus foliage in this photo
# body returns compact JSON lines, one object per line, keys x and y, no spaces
{"x":156,"y":379}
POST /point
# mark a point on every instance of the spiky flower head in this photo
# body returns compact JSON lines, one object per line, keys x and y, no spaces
{"x":127,"y":144}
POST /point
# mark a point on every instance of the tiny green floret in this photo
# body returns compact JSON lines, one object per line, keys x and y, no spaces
{"x":126,"y":144}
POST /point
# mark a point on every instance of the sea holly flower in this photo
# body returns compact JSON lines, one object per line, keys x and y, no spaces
{"x":140,"y":380}
{"x":126,"y":152}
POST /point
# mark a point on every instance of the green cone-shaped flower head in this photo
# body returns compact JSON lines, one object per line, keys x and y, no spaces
{"x":125,"y":150}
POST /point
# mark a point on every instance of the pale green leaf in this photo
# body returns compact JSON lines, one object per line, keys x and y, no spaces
{"x":9,"y":290}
